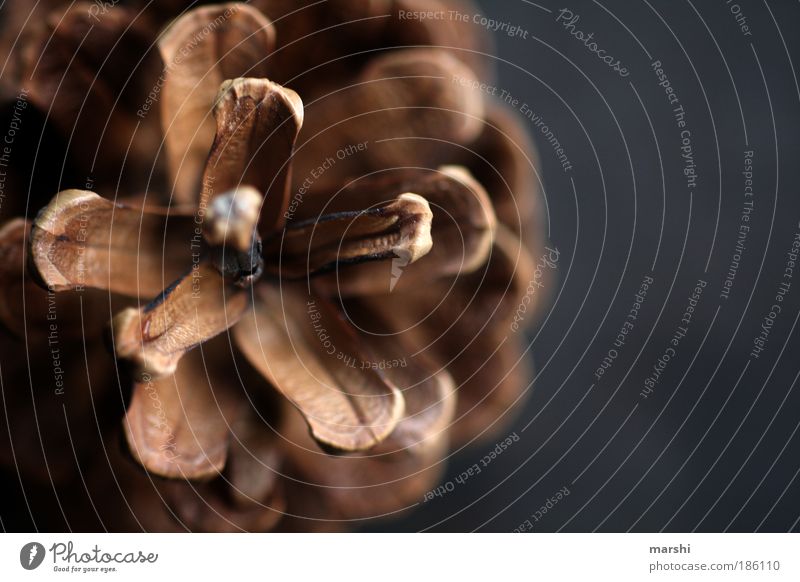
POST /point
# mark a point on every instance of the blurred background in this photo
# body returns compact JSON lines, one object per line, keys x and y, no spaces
{"x":650,"y":191}
{"x":665,"y":395}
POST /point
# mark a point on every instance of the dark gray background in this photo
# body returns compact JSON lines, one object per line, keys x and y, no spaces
{"x":703,"y":452}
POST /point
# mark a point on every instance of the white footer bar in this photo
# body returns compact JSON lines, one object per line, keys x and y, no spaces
{"x":400,"y":557}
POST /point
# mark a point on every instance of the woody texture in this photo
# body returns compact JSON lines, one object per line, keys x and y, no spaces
{"x":259,"y":262}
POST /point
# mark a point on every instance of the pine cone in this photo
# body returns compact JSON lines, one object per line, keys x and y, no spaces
{"x":311,"y":299}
